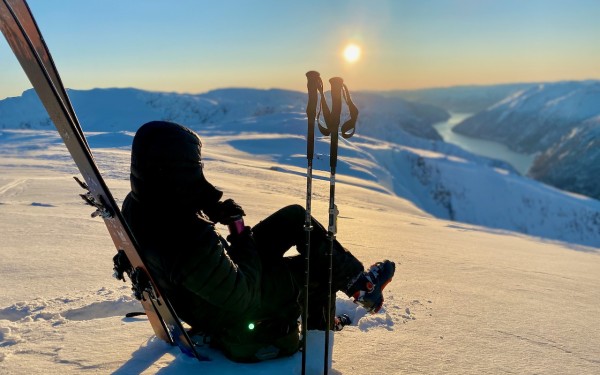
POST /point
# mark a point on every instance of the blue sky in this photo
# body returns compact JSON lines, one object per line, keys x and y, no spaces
{"x":194,"y":46}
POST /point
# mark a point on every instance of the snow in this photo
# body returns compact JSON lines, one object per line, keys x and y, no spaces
{"x":466,"y":299}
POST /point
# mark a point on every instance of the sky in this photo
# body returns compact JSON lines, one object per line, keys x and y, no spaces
{"x":195,"y":46}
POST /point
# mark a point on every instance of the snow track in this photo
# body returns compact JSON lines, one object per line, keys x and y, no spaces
{"x":12,"y":185}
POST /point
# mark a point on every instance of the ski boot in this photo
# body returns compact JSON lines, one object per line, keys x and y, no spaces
{"x":368,"y":286}
{"x":341,"y":321}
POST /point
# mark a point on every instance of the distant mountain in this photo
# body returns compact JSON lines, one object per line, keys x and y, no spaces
{"x":573,"y":164}
{"x":461,"y":99}
{"x":380,"y":116}
{"x":127,"y":109}
{"x":535,"y":119}
{"x":556,"y":120}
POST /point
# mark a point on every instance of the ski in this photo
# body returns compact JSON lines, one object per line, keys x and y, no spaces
{"x":25,"y":39}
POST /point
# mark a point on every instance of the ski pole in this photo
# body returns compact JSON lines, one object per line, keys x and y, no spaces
{"x":333,"y":122}
{"x":313,"y":83}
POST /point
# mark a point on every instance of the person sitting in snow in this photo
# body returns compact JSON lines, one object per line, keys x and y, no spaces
{"x":220,"y":286}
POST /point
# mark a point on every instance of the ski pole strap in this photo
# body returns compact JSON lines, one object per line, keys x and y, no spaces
{"x":332,"y":118}
{"x":349,"y":127}
{"x":337,"y":84}
{"x":323,"y":108}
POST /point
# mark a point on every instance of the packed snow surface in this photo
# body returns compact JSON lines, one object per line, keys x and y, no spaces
{"x":466,"y":298}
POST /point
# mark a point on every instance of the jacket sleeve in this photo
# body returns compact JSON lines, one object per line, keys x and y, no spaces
{"x":229,"y":281}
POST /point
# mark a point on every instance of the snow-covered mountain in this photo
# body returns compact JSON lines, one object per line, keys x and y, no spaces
{"x":440,"y":178}
{"x":127,"y":109}
{"x":535,"y":119}
{"x":553,"y":120}
{"x":380,"y":116}
{"x":461,"y":99}
{"x":573,"y":164}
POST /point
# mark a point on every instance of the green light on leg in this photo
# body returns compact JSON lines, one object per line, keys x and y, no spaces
{"x":251,"y":326}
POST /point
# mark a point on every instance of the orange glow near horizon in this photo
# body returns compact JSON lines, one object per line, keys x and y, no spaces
{"x":388,"y":45}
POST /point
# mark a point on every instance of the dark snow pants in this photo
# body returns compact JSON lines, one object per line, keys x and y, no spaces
{"x":283,"y":230}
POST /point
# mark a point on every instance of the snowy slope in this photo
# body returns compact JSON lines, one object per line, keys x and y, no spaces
{"x":460,"y":189}
{"x":465,"y":300}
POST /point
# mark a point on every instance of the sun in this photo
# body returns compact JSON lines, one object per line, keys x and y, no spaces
{"x":352,"y":53}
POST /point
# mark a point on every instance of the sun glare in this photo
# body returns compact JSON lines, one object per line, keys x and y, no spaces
{"x":352,"y":53}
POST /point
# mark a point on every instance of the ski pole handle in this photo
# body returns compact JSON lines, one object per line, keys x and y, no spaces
{"x":313,"y":84}
{"x":337,"y":84}
{"x":333,"y":122}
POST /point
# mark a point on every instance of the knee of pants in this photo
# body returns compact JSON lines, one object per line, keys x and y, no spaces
{"x":294,"y":213}
{"x":295,"y":210}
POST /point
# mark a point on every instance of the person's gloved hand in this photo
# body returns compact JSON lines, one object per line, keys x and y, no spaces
{"x":224,"y":212}
{"x":242,"y":246}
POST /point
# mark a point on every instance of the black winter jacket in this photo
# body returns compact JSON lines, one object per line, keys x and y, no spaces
{"x":211,"y":285}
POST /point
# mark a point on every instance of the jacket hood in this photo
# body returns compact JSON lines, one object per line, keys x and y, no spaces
{"x":166,"y":167}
